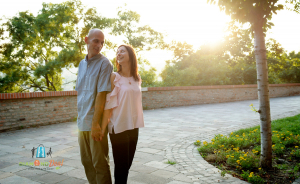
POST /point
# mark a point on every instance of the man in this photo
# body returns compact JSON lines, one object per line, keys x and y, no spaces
{"x":92,"y":84}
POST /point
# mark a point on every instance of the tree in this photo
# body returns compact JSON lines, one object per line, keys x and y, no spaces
{"x":180,"y":49}
{"x":291,"y":72}
{"x":199,"y":68}
{"x":239,"y":54}
{"x":212,"y":64}
{"x":39,"y":47}
{"x":283,"y":67}
{"x":258,"y":13}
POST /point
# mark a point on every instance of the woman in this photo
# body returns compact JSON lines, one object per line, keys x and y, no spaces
{"x":123,"y":112}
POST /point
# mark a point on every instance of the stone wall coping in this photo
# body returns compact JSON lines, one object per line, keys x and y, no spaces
{"x":7,"y":96}
{"x":217,"y":87}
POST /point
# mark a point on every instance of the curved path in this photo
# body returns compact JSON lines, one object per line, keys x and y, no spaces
{"x":169,"y":135}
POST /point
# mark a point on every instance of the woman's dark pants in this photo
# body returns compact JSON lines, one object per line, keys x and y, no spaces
{"x":123,"y":148}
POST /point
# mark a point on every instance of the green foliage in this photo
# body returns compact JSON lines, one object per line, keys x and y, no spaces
{"x":241,"y":149}
{"x":258,"y":13}
{"x":195,"y":70}
{"x":282,"y":166}
{"x":254,"y":11}
{"x":253,"y":108}
{"x":231,"y":62}
{"x":148,"y":75}
{"x":223,"y":173}
{"x":141,"y":38}
{"x":252,"y":178}
{"x":295,"y":4}
{"x":39,"y":47}
{"x":197,"y":143}
{"x":170,"y":162}
{"x":283,"y":67}
{"x":245,"y":175}
{"x":180,"y":49}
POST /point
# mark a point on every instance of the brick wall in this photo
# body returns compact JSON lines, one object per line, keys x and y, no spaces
{"x":161,"y":97}
{"x":32,"y":109}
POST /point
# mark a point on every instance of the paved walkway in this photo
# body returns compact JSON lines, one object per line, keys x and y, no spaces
{"x":169,"y":135}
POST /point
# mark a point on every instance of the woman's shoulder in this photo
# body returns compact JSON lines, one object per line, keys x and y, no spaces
{"x":115,"y":76}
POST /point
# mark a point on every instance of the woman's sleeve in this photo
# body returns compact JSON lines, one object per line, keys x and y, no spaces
{"x":112,"y":98}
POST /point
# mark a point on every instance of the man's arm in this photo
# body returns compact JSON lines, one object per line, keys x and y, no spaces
{"x":107,"y":112}
{"x":99,"y":107}
{"x":105,"y":120}
{"x":103,"y":86}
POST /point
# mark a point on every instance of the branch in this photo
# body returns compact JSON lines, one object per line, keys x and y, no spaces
{"x":69,"y":82}
{"x":21,"y":90}
{"x":70,"y":71}
{"x":36,"y":85}
{"x":33,"y":63}
{"x":20,"y":38}
{"x":44,"y":57}
{"x":52,"y":84}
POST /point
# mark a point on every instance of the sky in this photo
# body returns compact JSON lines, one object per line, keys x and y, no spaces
{"x":192,"y":21}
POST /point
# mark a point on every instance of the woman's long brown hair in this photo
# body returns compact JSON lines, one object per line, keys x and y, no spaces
{"x":132,"y":61}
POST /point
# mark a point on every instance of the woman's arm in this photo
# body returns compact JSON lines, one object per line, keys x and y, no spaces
{"x":105,"y":120}
{"x":107,"y":112}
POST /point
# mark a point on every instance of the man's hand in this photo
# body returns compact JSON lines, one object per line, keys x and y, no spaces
{"x":96,"y":132}
{"x":99,"y":107}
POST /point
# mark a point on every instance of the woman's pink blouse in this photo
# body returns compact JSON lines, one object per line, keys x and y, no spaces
{"x":126,"y":102}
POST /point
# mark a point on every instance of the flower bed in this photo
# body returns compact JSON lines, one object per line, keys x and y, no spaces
{"x":239,"y":153}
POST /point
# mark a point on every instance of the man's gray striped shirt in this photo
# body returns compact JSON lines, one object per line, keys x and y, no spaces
{"x":93,"y":77}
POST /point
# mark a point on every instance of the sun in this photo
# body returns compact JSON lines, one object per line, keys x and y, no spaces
{"x":193,"y":21}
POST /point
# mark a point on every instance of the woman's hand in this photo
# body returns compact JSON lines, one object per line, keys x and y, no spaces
{"x":105,"y":120}
{"x":102,"y":134}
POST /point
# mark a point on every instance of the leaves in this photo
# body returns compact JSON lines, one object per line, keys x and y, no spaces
{"x":231,"y":62}
{"x":39,"y":47}
{"x":251,"y":11}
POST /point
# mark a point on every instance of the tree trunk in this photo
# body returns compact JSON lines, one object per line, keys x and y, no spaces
{"x":263,"y":96}
{"x":46,"y":76}
{"x":52,"y":83}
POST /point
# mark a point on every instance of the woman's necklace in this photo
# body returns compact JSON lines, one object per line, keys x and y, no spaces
{"x":128,"y":78}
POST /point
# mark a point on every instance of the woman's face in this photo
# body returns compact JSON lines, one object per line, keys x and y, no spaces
{"x":122,"y":55}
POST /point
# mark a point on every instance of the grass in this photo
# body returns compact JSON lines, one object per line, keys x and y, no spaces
{"x":74,"y":119}
{"x":170,"y":162}
{"x":145,"y":108}
{"x":239,"y":152}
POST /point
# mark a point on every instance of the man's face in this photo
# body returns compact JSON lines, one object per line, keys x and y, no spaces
{"x":94,"y":43}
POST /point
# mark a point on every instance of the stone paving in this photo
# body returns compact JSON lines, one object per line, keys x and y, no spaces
{"x":169,"y":135}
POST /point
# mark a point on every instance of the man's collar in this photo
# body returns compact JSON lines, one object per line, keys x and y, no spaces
{"x":93,"y":58}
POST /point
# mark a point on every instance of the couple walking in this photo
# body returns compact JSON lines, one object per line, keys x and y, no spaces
{"x":108,"y":102}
